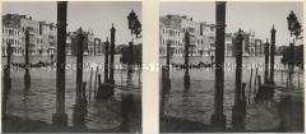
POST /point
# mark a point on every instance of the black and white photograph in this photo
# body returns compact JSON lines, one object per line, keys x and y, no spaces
{"x":231,"y":66}
{"x":71,"y":67}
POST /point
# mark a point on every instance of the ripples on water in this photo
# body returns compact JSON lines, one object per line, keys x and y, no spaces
{"x":39,"y":102}
{"x":198,"y":103}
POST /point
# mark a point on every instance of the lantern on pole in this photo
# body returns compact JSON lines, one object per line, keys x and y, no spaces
{"x":134,"y":24}
{"x":291,"y":19}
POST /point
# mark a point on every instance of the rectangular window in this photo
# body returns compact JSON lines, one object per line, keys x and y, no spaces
{"x":11,"y":32}
{"x":40,"y":28}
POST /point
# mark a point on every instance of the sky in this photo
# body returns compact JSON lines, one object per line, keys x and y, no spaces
{"x":257,"y":17}
{"x":97,"y":16}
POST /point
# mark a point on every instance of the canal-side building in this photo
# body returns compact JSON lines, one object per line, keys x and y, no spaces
{"x":202,"y":38}
{"x":259,"y":47}
{"x":42,"y":35}
{"x":172,"y":30}
{"x":98,"y":46}
{"x":90,"y":46}
{"x":90,"y":43}
{"x":43,"y":39}
{"x":251,"y":46}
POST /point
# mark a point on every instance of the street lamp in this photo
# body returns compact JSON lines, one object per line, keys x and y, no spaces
{"x":297,"y":29}
{"x":135,"y":27}
{"x":292,"y":20}
{"x":134,"y":24}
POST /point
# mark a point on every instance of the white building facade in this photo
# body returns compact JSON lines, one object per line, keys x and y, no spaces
{"x":173,"y":29}
{"x":202,"y":41}
{"x":42,"y":37}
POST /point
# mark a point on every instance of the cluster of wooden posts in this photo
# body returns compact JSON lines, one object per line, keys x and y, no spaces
{"x":7,"y":81}
{"x":260,"y":91}
{"x":102,"y":91}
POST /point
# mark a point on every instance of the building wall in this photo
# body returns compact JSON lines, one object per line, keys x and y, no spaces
{"x":173,"y":27}
{"x":42,"y":35}
{"x":172,"y":30}
{"x":89,"y":43}
{"x":98,"y":46}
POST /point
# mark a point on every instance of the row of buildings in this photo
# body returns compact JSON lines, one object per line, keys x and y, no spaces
{"x":202,"y":38}
{"x":43,"y":37}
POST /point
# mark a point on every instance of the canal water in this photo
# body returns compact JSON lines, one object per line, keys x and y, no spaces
{"x":197,"y":104}
{"x":38,"y":103}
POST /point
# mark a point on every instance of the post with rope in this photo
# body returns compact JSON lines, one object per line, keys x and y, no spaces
{"x":60,"y":118}
{"x":218,"y":119}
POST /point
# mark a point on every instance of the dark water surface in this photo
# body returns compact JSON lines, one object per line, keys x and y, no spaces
{"x":38,"y":103}
{"x":197,"y":104}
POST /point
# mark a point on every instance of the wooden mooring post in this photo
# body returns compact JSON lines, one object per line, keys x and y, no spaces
{"x":130,"y":64}
{"x":60,"y":118}
{"x":106,"y":63}
{"x":298,"y":86}
{"x":238,"y":55}
{"x":187,"y":76}
{"x":240,"y":98}
{"x":266,"y":51}
{"x":90,"y":85}
{"x":7,"y":71}
{"x":27,"y":76}
{"x":250,"y":87}
{"x":165,"y":90}
{"x":255,"y":84}
{"x":239,"y":111}
{"x":7,"y":82}
{"x":96,"y":84}
{"x":106,"y":90}
{"x":128,"y":107}
{"x":79,"y":60}
{"x":112,"y":55}
{"x":218,"y":119}
{"x":80,"y":107}
{"x":272,"y":54}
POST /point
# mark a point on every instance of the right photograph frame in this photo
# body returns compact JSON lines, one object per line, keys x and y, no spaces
{"x":231,"y":66}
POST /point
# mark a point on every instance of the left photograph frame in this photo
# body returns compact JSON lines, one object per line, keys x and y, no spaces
{"x":71,"y":66}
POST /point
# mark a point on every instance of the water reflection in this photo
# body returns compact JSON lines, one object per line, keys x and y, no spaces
{"x":6,"y":88}
{"x":27,"y":79}
{"x":127,"y":108}
{"x":186,"y":101}
{"x":187,"y":79}
{"x":79,"y":115}
{"x":238,"y":116}
{"x":26,"y":90}
{"x":32,"y":96}
{"x":129,"y":76}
